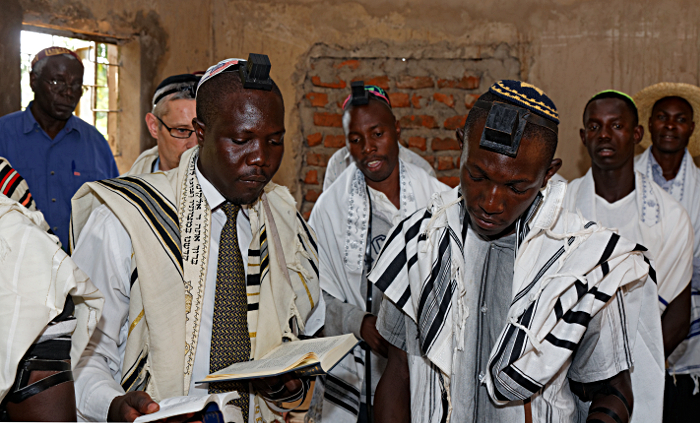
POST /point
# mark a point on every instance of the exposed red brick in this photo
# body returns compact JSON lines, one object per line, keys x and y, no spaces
{"x":470,"y":99}
{"x":441,"y":144}
{"x":352,"y":64}
{"x":455,"y":122}
{"x":334,"y":141}
{"x":306,"y":215}
{"x":430,"y":159}
{"x":317,"y":99}
{"x":380,"y":81}
{"x":415,"y":101}
{"x":465,"y":83}
{"x":399,"y":100}
{"x":444,"y":163}
{"x":417,"y":142}
{"x":418,"y":121}
{"x":311,"y":177}
{"x":314,"y":139}
{"x":328,"y":119}
{"x":448,"y":100}
{"x":459,"y":159}
{"x":339,"y":83}
{"x":313,"y":159}
{"x":414,"y":82}
{"x":312,"y":195}
{"x":452,"y":181}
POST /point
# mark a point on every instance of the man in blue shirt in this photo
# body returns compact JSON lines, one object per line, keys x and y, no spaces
{"x":55,"y":151}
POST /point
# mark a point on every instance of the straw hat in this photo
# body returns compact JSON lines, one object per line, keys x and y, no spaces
{"x":646,"y":98}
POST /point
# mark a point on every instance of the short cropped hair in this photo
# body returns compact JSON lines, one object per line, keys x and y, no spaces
{"x":548,"y":138}
{"x":612,"y":94}
{"x":210,"y":94}
{"x":41,"y":64}
{"x":692,"y":112}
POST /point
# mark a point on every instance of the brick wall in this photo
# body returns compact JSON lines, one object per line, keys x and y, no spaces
{"x":430,"y":97}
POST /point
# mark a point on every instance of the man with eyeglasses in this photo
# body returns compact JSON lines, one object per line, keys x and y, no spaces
{"x":170,"y":123}
{"x":55,"y":151}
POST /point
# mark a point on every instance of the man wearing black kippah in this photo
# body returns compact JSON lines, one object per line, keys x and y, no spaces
{"x":490,"y":290}
{"x":170,"y":123}
{"x":613,"y":194}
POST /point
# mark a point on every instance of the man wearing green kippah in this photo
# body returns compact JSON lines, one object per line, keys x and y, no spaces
{"x":494,"y":295}
{"x":620,"y":198}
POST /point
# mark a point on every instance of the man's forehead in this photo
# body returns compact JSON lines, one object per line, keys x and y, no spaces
{"x":525,"y":166}
{"x":371,"y":114}
{"x":605,"y":107}
{"x":673,"y":104}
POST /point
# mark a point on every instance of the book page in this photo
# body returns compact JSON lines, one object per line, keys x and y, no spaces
{"x":283,"y":358}
{"x":176,"y":406}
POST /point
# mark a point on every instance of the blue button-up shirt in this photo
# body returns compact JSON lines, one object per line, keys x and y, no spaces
{"x":55,"y":168}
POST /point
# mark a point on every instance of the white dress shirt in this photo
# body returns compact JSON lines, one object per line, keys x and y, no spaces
{"x":104,"y":253}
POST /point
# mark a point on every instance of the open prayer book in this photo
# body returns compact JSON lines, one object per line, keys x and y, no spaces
{"x":310,"y":357}
{"x":214,"y":408}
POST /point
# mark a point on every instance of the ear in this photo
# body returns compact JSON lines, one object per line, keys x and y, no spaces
{"x":152,"y":124}
{"x":459,"y":133}
{"x":200,"y":130}
{"x":553,"y":168}
{"x":638,"y":134}
{"x":692,"y":128}
{"x":33,"y":80}
{"x":398,"y":130}
{"x":582,"y":134}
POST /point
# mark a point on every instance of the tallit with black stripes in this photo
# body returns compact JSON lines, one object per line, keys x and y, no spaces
{"x":169,"y":223}
{"x":566,"y":270}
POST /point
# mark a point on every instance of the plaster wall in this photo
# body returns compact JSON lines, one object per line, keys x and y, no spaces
{"x":569,"y":48}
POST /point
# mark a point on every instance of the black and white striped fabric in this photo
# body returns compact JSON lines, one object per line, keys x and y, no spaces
{"x":566,"y":270}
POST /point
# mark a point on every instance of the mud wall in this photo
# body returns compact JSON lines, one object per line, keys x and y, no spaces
{"x":569,"y":48}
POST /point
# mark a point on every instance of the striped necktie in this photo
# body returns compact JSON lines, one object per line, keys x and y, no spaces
{"x":230,"y":340}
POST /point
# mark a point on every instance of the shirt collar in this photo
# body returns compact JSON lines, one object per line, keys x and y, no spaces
{"x":212,"y":195}
{"x":29,"y":121}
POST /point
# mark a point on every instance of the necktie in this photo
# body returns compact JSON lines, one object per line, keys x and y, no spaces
{"x":230,"y":340}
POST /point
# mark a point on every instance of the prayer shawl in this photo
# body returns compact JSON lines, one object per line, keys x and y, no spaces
{"x":169,"y":222}
{"x":36,"y":276}
{"x":340,"y":219}
{"x":144,"y":162}
{"x":566,"y":270}
{"x":14,"y":186}
{"x":667,"y":233}
{"x":685,"y":359}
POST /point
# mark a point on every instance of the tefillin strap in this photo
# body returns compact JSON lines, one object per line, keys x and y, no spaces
{"x":505,"y":125}
{"x":255,"y":73}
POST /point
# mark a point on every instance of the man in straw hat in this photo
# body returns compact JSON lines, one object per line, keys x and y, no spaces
{"x":170,"y":124}
{"x":203,"y":266}
{"x":613,"y":194}
{"x":491,"y":290}
{"x":54,"y":150}
{"x":670,"y":111}
{"x":352,"y":219}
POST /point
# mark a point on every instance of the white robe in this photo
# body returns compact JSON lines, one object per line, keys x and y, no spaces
{"x":340,"y":220}
{"x":36,"y":275}
{"x":685,"y":359}
{"x":659,"y":223}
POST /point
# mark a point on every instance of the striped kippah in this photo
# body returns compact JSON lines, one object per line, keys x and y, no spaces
{"x":374,"y":91}
{"x":226,"y":65}
{"x":627,"y":96}
{"x":527,"y":96}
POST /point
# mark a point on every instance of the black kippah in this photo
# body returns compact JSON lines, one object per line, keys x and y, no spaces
{"x":175,"y":83}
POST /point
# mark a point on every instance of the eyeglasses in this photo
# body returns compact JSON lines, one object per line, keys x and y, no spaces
{"x":61,"y":86}
{"x":181,"y":133}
